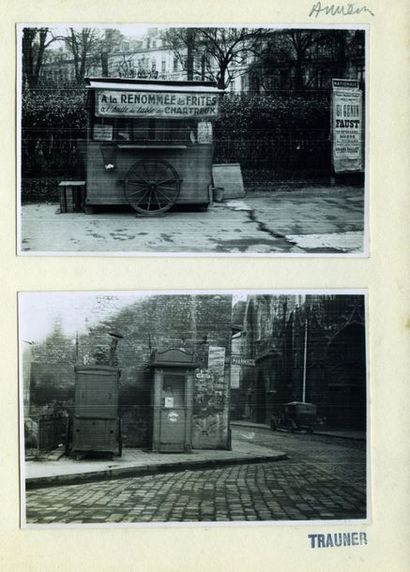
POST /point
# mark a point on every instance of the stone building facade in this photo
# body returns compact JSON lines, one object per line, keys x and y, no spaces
{"x":150,"y":57}
{"x":146,"y":58}
{"x":279,"y":333}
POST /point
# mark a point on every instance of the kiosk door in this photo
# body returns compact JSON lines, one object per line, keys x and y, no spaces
{"x":173,"y":412}
{"x":172,"y":422}
{"x":172,"y":400}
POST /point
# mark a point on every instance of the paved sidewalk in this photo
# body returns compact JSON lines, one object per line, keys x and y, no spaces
{"x":138,"y":462}
{"x":312,"y":220}
{"x":342,"y":434}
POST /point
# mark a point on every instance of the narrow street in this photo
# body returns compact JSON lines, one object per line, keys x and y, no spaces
{"x":324,"y":479}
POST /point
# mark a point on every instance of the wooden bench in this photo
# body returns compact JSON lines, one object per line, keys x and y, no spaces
{"x":72,"y":196}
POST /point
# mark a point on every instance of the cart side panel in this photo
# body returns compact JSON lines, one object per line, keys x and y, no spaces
{"x":193,"y":165}
{"x":97,"y":435}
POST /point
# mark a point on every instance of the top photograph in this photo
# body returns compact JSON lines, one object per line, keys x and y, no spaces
{"x":143,"y":140}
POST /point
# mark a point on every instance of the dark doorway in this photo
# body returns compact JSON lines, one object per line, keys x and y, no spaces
{"x":260,"y":399}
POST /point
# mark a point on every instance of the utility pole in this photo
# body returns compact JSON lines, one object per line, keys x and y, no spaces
{"x":304,"y":365}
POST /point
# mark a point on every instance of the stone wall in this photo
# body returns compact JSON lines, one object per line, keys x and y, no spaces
{"x":198,"y":324}
{"x":210,"y":428}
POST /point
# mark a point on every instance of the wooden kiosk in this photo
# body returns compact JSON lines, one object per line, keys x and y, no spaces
{"x":96,"y":425}
{"x":172,"y":400}
{"x":149,"y":143}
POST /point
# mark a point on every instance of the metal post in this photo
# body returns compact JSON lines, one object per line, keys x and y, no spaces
{"x":304,"y":365}
{"x":76,"y":347}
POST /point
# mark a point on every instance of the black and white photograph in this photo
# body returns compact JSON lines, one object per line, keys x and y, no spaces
{"x":148,"y":408}
{"x":158,"y":140}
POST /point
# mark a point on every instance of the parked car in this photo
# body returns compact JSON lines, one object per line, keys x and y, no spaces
{"x":296,"y":416}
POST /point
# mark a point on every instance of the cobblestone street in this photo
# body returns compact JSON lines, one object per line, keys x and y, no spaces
{"x":322,"y":480}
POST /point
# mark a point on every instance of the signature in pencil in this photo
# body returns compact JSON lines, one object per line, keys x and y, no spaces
{"x":349,"y":9}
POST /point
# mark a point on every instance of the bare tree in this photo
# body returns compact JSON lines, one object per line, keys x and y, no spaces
{"x":83,"y":45}
{"x":221,"y":53}
{"x":301,"y":54}
{"x":35,"y":42}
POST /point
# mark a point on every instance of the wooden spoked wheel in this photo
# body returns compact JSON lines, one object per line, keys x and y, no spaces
{"x":152,"y":186}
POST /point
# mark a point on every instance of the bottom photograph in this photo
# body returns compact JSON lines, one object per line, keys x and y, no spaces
{"x":186,"y":407}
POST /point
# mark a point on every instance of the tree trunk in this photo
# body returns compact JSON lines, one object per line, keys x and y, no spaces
{"x":190,"y":42}
{"x":104,"y":64}
{"x":299,"y":79}
{"x":221,"y":76}
{"x":40,"y":54}
{"x":203,"y":67}
{"x":31,"y":65}
{"x":28,"y":37}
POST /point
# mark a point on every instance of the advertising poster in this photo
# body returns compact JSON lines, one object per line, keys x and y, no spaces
{"x":347,"y":128}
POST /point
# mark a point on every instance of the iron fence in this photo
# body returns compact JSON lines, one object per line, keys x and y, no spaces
{"x":282,"y":131}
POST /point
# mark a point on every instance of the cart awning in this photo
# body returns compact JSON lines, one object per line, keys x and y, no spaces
{"x":167,"y":86}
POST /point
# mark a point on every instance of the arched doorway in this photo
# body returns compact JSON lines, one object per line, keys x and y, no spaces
{"x":346,"y":378}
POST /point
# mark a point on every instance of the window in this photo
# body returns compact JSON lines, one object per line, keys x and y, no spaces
{"x":149,"y":130}
{"x":175,"y":66}
{"x":163,"y":66}
{"x":244,"y":83}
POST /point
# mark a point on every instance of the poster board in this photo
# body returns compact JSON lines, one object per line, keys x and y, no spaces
{"x":229,"y":178}
{"x":347,"y":126}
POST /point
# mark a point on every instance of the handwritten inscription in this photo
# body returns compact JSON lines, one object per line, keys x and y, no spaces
{"x":349,"y":9}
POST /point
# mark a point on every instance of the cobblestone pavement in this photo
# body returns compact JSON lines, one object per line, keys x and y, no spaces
{"x":344,"y":458}
{"x":313,"y":484}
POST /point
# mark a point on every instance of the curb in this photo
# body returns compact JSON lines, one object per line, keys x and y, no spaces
{"x":144,"y":470}
{"x":264,"y":427}
{"x":349,"y":437}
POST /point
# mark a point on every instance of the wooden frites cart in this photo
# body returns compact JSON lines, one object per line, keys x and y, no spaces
{"x":149,"y":143}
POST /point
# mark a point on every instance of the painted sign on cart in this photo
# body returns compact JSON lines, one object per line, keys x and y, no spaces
{"x":204,"y":132}
{"x":102,"y":132}
{"x":347,"y":128}
{"x":117,"y":103}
